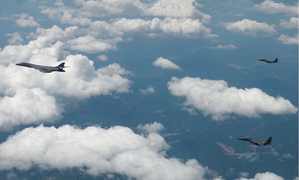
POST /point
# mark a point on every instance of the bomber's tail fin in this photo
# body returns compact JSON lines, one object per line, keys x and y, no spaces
{"x":268,"y":142}
{"x":276,"y":60}
{"x":61,"y":65}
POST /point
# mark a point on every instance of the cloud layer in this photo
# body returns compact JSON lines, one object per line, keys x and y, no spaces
{"x":29,"y":96}
{"x":95,"y":151}
{"x":215,"y":98}
{"x":98,"y":9}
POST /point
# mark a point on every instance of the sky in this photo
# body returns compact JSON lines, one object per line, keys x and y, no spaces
{"x":141,"y":76}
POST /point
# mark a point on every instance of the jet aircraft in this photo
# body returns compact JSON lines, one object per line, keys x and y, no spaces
{"x":269,"y":61}
{"x":44,"y":69}
{"x":258,"y":142}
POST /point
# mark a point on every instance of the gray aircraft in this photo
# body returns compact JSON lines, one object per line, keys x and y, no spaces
{"x":258,"y":142}
{"x":269,"y":61}
{"x":44,"y":69}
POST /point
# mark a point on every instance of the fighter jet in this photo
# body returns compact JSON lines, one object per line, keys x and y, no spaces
{"x":269,"y":61}
{"x":44,"y":69}
{"x":258,"y":142}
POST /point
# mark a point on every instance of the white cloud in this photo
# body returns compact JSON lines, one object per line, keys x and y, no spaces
{"x":250,"y":28}
{"x":81,"y":80}
{"x":292,"y":24}
{"x":264,"y":176}
{"x":288,"y":40}
{"x":151,"y":128}
{"x":177,"y":8}
{"x":23,"y":22}
{"x":165,"y":64}
{"x":65,"y":15}
{"x":99,"y":9}
{"x":102,"y":57}
{"x":67,"y":18}
{"x":148,"y":90}
{"x":215,"y":98}
{"x":28,"y":106}
{"x":177,"y":21}
{"x":90,"y":44}
{"x":270,"y":7}
{"x":230,"y":46}
{"x":184,"y":27}
{"x":100,"y":151}
{"x":15,"y":39}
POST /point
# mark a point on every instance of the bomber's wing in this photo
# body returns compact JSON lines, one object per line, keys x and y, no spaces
{"x":44,"y":70}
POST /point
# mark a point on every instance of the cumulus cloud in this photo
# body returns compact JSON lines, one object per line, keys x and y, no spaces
{"x":95,"y":151}
{"x":250,"y":28}
{"x":99,"y":9}
{"x":90,"y":44}
{"x":292,"y":24}
{"x":288,"y":40}
{"x":75,"y":39}
{"x":229,"y":46}
{"x":177,"y":18}
{"x":81,"y":80}
{"x":183,"y":27}
{"x":102,"y":57}
{"x":216,"y":98}
{"x":264,"y":176}
{"x":165,"y":64}
{"x":28,"y":106}
{"x":65,"y":15}
{"x":177,"y":8}
{"x":270,"y":7}
{"x":150,"y":128}
{"x":67,"y":18}
{"x":24,"y":20}
{"x":148,"y":90}
{"x":15,"y":39}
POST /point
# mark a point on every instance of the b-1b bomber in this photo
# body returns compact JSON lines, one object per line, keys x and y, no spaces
{"x":44,"y":69}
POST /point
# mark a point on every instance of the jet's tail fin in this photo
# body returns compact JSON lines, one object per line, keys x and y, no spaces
{"x":276,"y":60}
{"x":268,"y":142}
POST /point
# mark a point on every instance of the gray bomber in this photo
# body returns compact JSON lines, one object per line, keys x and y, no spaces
{"x":44,"y":69}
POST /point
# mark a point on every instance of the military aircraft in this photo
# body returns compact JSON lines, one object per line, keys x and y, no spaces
{"x":258,"y":142}
{"x":269,"y":61}
{"x":44,"y":69}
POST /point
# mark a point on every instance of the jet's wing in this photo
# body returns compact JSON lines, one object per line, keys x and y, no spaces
{"x":245,"y":139}
{"x":259,"y":141}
